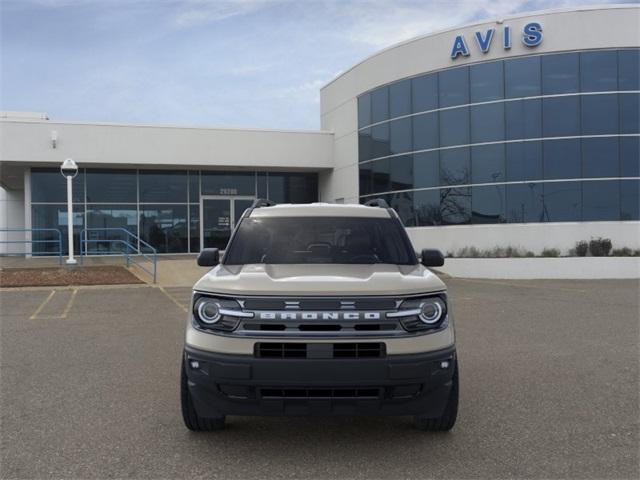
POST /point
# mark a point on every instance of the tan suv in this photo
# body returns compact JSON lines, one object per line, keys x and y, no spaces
{"x":319,"y":309}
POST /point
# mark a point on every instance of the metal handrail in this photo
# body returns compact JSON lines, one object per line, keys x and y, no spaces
{"x":32,"y":241}
{"x":129,"y":247}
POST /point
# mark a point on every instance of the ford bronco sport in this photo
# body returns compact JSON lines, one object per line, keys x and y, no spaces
{"x":319,"y":309}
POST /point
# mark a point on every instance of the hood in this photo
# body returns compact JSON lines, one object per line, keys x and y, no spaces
{"x":320,"y":280}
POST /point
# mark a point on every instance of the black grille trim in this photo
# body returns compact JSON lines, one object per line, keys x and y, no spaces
{"x":336,"y":350}
{"x":334,"y":393}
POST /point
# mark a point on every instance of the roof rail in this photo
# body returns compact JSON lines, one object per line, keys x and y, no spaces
{"x":377,"y":202}
{"x":262,"y":202}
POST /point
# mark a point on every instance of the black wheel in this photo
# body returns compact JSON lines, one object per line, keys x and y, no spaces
{"x":448,"y":419}
{"x":192,"y":420}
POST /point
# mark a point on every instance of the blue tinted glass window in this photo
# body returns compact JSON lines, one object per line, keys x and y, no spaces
{"x":522,"y":77}
{"x":381,"y":177}
{"x":455,"y":205}
{"x":165,"y":227}
{"x":600,"y":157}
{"x":424,"y":93}
{"x":402,"y":203}
{"x":629,"y":112}
{"x":400,"y":98}
{"x":487,"y":164}
{"x":630,"y":157}
{"x":601,"y":200}
{"x":426,"y":205}
{"x":524,"y":203}
{"x":107,"y":186}
{"x":401,"y":172}
{"x":54,"y":216}
{"x":228,"y":183}
{"x":194,"y":228}
{"x":561,"y":116}
{"x":524,"y":161}
{"x":364,"y":110}
{"x":599,"y":71}
{"x":455,"y":166}
{"x":454,"y":87}
{"x":194,"y":186}
{"x":426,"y":169}
{"x":599,"y":114}
{"x":380,"y":141}
{"x":523,"y":119}
{"x":487,"y":82}
{"x":629,"y":69}
{"x":454,"y":127}
{"x":561,"y":159}
{"x":562,"y":201}
{"x":365,"y":145}
{"x":488,"y":204}
{"x":560,"y":73}
{"x":380,"y":105}
{"x":487,"y":123}
{"x":629,"y":200}
{"x":425,"y":131}
{"x":400,"y":135}
{"x":262,"y":185}
{"x":165,"y":186}
{"x":365,"y":179}
{"x":48,"y":185}
{"x":293,"y":187}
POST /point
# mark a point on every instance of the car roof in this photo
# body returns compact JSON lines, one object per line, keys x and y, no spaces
{"x":320,"y":210}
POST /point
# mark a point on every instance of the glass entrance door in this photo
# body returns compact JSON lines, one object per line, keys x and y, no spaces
{"x":219,"y":216}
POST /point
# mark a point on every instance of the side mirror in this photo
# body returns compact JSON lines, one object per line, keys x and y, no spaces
{"x":432,"y":258}
{"x":209,"y":257}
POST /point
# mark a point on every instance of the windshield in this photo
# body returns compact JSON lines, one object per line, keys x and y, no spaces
{"x":287,"y":240}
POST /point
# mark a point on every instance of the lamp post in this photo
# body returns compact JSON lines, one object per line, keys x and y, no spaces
{"x":69,"y":170}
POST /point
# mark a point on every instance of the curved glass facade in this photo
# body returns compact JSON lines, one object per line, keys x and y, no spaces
{"x":541,"y":138}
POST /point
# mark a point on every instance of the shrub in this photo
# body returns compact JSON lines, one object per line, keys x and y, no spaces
{"x":582,"y":247}
{"x":450,"y":254}
{"x":625,"y":252}
{"x":550,"y":252}
{"x":600,"y":247}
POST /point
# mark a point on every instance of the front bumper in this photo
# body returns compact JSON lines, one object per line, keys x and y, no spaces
{"x":415,"y":384}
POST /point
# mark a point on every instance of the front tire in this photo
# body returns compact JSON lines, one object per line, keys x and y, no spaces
{"x":448,"y":418}
{"x":192,"y":420}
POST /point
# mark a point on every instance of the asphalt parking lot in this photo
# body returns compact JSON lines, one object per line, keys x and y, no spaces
{"x":549,"y":389}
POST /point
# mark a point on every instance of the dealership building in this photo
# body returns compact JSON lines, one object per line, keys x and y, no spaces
{"x":522,"y":131}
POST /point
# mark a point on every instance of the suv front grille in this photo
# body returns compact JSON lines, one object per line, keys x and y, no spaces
{"x":320,"y":350}
{"x":321,"y":392}
{"x":320,"y":304}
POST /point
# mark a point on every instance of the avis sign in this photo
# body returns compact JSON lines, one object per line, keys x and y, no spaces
{"x":531,"y":37}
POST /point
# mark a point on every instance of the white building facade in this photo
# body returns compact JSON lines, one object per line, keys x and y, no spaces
{"x":521,"y":131}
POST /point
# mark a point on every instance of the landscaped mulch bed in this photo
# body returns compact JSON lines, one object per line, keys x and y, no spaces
{"x":56,"y":276}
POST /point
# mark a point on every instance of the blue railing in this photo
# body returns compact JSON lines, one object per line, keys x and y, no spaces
{"x":57,"y":240}
{"x":131,"y":248}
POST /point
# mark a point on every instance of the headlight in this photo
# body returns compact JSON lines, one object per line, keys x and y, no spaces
{"x":217,"y":313}
{"x":425,"y":313}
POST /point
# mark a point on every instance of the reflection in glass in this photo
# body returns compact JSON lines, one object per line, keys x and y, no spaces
{"x":425,"y":131}
{"x":629,"y":113}
{"x":522,"y":77}
{"x":365,"y":145}
{"x":194,"y":186}
{"x":488,"y":204}
{"x":401,"y":172}
{"x":400,"y":135}
{"x":424,"y":93}
{"x":228,"y":183}
{"x":55,"y":216}
{"x":630,"y":200}
{"x":455,"y":205}
{"x":560,"y":73}
{"x":599,"y":114}
{"x":454,"y":87}
{"x":600,"y":157}
{"x":293,"y":187}
{"x":120,"y":217}
{"x":165,"y":227}
{"x":524,"y":203}
{"x":426,"y":205}
{"x":380,"y":141}
{"x":630,"y":157}
{"x":524,"y":161}
{"x":400,"y":98}
{"x":629,"y":69}
{"x":48,"y":185}
{"x":455,"y":166}
{"x":561,"y":116}
{"x":194,"y":228}
{"x":380,"y":105}
{"x":599,"y":71}
{"x":487,"y":81}
{"x":562,"y":201}
{"x":523,"y":119}
{"x":601,"y":200}
{"x":381,"y":177}
{"x":487,"y":164}
{"x":402,"y":203}
{"x":454,"y":127}
{"x":561,"y":159}
{"x":166,"y":186}
{"x":112,"y":186}
{"x":364,"y":110}
{"x":426,"y":169}
{"x":365,"y":179}
{"x":487,"y":123}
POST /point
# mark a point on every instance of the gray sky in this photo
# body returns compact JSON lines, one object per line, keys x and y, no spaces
{"x":235,"y":63}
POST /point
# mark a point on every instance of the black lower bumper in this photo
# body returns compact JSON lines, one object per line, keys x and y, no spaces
{"x":416,"y":384}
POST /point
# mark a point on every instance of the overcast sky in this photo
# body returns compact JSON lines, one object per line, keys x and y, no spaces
{"x":235,"y":63}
